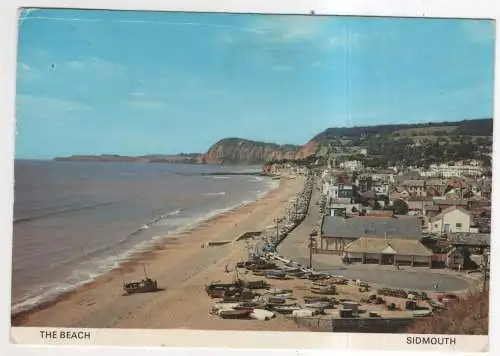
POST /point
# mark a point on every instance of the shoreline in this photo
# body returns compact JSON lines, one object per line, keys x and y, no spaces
{"x":129,"y":256}
{"x":158,"y":252}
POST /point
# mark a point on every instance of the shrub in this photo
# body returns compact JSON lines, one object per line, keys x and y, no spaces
{"x":468,"y":316}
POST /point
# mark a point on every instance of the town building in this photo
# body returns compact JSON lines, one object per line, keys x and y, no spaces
{"x":452,"y":219}
{"x":389,"y":252}
{"x":352,"y":165}
{"x":415,"y":187}
{"x":337,"y":232}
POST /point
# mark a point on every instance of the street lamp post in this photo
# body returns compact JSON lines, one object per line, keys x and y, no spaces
{"x":277,"y":221}
{"x":312,"y":240}
{"x":486,"y":272}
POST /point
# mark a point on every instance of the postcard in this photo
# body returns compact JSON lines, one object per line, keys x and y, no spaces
{"x":298,"y":181}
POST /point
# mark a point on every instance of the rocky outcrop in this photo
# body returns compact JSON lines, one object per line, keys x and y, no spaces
{"x":241,"y":151}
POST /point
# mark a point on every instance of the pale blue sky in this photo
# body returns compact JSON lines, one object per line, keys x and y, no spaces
{"x":93,"y":82}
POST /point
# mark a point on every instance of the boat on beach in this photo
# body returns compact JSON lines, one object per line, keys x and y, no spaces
{"x":329,"y":290}
{"x":145,"y":285}
{"x":285,"y":309}
{"x":235,"y":313}
{"x":418,"y":313}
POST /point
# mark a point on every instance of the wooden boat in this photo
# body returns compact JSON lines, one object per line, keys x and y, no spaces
{"x":262,"y":314}
{"x":145,"y":285}
{"x":318,"y":276}
{"x":435,"y":305}
{"x":316,"y":298}
{"x":284,"y":295}
{"x":261,"y":266}
{"x":276,"y":291}
{"x":421,"y":313}
{"x":323,"y":290}
{"x":286,"y":309}
{"x":250,"y":304}
{"x":220,"y":293}
{"x":317,"y":305}
{"x":276,"y":300}
{"x":223,"y":286}
{"x":275,"y":274}
{"x":262,"y":284}
{"x":235,"y":313}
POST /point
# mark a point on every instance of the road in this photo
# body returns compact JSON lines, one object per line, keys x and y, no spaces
{"x":295,"y":247}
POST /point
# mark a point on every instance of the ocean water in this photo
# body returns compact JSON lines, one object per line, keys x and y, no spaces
{"x":74,"y":221}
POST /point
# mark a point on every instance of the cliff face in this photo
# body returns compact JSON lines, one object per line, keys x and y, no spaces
{"x":241,"y":151}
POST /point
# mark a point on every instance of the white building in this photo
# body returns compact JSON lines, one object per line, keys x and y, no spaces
{"x":453,"y":219}
{"x":449,"y":171}
{"x":352,"y":165}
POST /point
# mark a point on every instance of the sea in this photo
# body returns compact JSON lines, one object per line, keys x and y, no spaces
{"x":74,"y":221}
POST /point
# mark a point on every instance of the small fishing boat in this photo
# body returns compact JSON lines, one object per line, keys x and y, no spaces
{"x":436,"y":305}
{"x":262,"y":284}
{"x":276,"y":300}
{"x":235,"y":313}
{"x":275,"y":291}
{"x":250,"y":304}
{"x":262,"y":314}
{"x":145,"y":285}
{"x":303,"y":313}
{"x":284,"y":295}
{"x":225,"y":306}
{"x":223,"y":286}
{"x":286,"y":309}
{"x":317,"y":305}
{"x":324,"y":290}
{"x":421,"y":313}
{"x":318,"y":276}
{"x":275,"y":274}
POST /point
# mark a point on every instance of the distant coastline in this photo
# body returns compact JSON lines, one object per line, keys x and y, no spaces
{"x":195,"y":158}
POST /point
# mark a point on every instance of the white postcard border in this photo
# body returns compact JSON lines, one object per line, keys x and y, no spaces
{"x":8,"y":20}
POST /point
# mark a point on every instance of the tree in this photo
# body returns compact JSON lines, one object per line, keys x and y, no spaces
{"x":400,"y":207}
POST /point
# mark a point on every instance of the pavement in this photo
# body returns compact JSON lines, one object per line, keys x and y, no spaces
{"x":295,"y":247}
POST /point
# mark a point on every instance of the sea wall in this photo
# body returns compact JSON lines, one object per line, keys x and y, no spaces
{"x":356,"y":325}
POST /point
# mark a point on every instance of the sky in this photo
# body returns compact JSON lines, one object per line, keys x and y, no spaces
{"x":133,"y":83}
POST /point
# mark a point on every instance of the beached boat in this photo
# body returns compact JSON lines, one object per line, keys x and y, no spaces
{"x":421,"y":312}
{"x":329,"y":290}
{"x":225,"y":306}
{"x":145,"y":285}
{"x":223,"y":286}
{"x":436,"y":305}
{"x":276,"y":274}
{"x":261,"y":266}
{"x":317,"y":305}
{"x":318,"y":276}
{"x":261,"y":284}
{"x":285,"y":309}
{"x":303,"y":313}
{"x":235,"y":313}
{"x":276,"y":300}
{"x":262,"y":314}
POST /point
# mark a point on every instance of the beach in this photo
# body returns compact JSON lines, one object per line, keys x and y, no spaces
{"x":182,"y":266}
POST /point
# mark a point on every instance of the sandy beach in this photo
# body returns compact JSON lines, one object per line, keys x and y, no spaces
{"x":183,"y":267}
